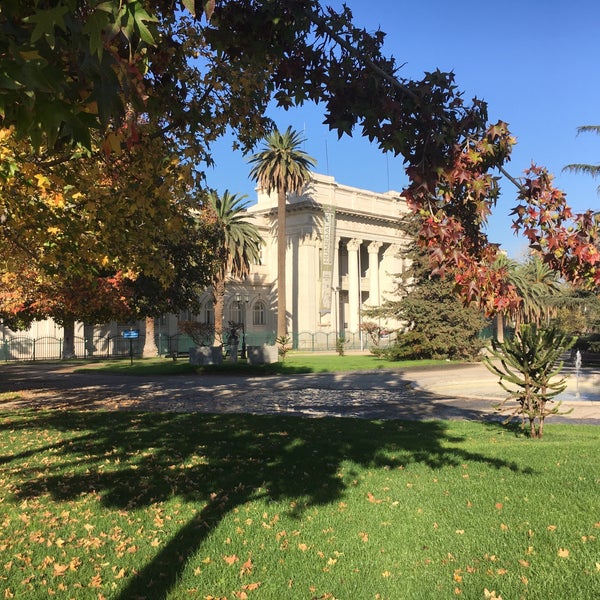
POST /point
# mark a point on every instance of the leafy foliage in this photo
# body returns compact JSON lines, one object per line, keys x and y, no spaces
{"x":75,"y":68}
{"x":529,"y":365}
{"x":437,"y":323}
{"x":95,"y":239}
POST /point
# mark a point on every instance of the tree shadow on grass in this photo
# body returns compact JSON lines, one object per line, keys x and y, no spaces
{"x":219,"y":462}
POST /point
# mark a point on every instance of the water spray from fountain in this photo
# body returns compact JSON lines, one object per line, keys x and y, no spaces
{"x":577,"y":372}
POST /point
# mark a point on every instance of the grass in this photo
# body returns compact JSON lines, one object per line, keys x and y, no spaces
{"x":130,"y":506}
{"x":294,"y":363}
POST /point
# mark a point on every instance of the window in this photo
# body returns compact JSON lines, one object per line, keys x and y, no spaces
{"x":208,"y":314}
{"x":235,"y":312}
{"x":258,"y":313}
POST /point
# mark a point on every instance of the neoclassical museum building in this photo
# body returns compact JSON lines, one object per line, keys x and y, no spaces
{"x":344,"y":249}
{"x":343,"y":252}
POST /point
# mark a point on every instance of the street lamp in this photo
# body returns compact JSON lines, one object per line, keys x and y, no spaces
{"x":245,"y":298}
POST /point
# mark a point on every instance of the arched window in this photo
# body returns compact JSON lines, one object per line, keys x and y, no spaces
{"x":258,"y":313}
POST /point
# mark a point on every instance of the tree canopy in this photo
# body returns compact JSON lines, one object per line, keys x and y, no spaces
{"x":73,"y":72}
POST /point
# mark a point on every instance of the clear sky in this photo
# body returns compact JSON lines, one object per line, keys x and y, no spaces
{"x":537,"y":64}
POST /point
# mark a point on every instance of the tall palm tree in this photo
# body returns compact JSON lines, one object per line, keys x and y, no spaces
{"x":281,"y":166}
{"x":241,"y":247}
{"x":593,"y":170}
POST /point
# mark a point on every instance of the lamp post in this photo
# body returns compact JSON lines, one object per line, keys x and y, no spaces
{"x":239,"y":299}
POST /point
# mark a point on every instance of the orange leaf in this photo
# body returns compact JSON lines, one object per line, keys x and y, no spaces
{"x":60,"y":569}
{"x":247,"y":567}
{"x":563,"y":552}
{"x":230,"y":559}
{"x":252,"y":586}
{"x":372,"y":498}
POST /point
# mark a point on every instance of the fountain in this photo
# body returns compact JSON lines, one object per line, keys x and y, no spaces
{"x":577,"y":372}
{"x":586,"y":385}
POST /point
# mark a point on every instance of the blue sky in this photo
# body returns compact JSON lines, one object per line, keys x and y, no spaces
{"x":537,"y":64}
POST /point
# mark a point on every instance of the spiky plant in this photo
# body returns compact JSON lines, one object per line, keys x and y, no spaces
{"x":528,"y":366}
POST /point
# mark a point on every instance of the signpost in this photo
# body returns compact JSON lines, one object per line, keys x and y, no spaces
{"x":131,"y":334}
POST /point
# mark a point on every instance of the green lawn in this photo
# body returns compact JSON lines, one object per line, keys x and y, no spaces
{"x":294,"y":363}
{"x":127,"y":505}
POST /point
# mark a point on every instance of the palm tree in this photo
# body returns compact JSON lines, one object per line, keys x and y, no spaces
{"x":241,"y":247}
{"x":593,"y":170}
{"x":284,"y":167}
{"x":538,"y":285}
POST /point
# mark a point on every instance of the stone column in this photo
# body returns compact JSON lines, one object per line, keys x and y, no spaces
{"x":391,"y":266}
{"x":353,"y":285}
{"x":373,"y":247}
{"x":307,"y":288}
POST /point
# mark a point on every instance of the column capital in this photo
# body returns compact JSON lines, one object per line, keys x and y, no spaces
{"x":373,"y":247}
{"x":353,"y":244}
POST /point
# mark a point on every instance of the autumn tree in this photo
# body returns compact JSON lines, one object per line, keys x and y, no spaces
{"x":120,"y":225}
{"x":194,"y":74}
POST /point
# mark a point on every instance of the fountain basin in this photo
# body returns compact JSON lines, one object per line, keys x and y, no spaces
{"x":584,"y":386}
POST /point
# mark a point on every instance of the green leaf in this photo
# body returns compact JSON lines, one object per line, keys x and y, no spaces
{"x":45,"y":21}
{"x":94,"y":28}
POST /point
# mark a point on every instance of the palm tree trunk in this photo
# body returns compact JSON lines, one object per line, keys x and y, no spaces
{"x":219,"y":298}
{"x":281,"y":252}
{"x":500,"y":326}
{"x":150,"y":349}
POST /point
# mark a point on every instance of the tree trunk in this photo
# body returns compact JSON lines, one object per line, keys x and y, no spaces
{"x":500,"y":327}
{"x":68,"y":350}
{"x":219,"y":298}
{"x":281,"y":252}
{"x":150,"y":348}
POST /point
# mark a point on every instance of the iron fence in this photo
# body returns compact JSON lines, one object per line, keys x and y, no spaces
{"x":24,"y":348}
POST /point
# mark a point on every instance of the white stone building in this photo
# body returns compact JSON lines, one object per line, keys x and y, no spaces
{"x":343,"y":250}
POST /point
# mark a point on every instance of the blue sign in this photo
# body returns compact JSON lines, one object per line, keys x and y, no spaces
{"x":131,"y":334}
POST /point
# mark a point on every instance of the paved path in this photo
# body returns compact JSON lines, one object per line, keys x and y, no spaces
{"x":465,"y":392}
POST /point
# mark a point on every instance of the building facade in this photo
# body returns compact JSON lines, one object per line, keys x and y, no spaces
{"x":344,"y":249}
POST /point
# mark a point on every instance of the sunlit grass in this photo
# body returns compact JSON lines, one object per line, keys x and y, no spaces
{"x":294,"y":363}
{"x":126,"y":505}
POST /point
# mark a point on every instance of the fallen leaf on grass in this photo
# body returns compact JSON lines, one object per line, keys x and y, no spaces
{"x":247,"y":567}
{"x":230,"y":560}
{"x":563,"y":552}
{"x":252,"y":586}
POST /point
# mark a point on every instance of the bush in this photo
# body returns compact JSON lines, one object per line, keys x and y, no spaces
{"x":415,"y":345}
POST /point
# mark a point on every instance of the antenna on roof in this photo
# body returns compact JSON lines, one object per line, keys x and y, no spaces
{"x":387,"y":165}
